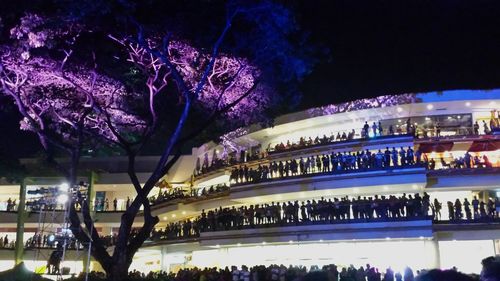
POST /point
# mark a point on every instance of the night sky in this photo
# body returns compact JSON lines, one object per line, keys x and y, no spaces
{"x":381,"y":47}
{"x":384,"y":47}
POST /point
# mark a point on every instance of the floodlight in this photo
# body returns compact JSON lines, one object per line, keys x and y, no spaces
{"x":64,"y":187}
{"x":51,"y":238}
{"x":62,"y":199}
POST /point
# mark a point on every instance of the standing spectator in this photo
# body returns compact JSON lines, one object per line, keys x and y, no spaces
{"x":398,"y":276}
{"x":476,"y":128}
{"x":437,"y":209}
{"x":475,"y":207}
{"x":394,"y":157}
{"x":366,"y":128}
{"x":389,"y":275}
{"x":468,"y":213}
{"x":408,"y":126}
{"x":115,"y":204}
{"x":408,"y":274}
{"x":128,"y":203}
{"x":458,"y":209}
{"x":485,"y":128}
{"x":9,"y":204}
{"x":374,"y":129}
{"x":235,"y":273}
{"x":402,"y":156}
{"x":497,"y":207}
{"x":438,"y":129}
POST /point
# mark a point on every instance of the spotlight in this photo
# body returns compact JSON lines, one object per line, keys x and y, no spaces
{"x":51,"y":238}
{"x":430,"y":106}
{"x":399,"y":109}
{"x":62,"y":199}
{"x":64,"y":187}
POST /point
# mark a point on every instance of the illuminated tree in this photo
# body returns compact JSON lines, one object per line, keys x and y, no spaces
{"x":70,"y":102}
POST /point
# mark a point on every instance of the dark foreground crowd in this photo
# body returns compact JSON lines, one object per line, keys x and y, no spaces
{"x":490,"y":272}
{"x":336,"y":210}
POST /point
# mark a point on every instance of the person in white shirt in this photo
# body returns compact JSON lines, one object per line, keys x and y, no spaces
{"x":236,"y":273}
{"x":244,"y":274}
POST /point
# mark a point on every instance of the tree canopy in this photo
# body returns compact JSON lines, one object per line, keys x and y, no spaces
{"x":118,"y":74}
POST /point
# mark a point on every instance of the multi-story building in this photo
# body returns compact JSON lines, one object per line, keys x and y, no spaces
{"x":336,"y":184}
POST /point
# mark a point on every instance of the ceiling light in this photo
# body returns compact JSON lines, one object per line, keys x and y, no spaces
{"x":399,"y":109}
{"x":430,"y":106}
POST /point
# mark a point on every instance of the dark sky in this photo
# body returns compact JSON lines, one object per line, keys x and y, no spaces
{"x":383,"y":47}
{"x":386,"y":47}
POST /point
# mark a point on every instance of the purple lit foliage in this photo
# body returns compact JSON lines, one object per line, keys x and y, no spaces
{"x":231,"y":84}
{"x":381,"y":101}
{"x":68,"y":100}
{"x":59,"y":101}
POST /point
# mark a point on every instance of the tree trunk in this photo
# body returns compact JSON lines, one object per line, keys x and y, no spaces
{"x":118,"y":271}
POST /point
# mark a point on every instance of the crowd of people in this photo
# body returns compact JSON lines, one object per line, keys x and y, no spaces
{"x":52,"y":241}
{"x":328,"y":163}
{"x":10,"y":205}
{"x":219,"y":163}
{"x":6,"y":242}
{"x":39,"y":241}
{"x":467,"y":161}
{"x":460,"y":210}
{"x":178,"y":193}
{"x":331,"y":272}
{"x":331,"y":210}
{"x":102,"y":205}
{"x":373,"y":130}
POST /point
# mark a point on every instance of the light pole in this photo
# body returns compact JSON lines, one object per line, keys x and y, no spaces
{"x":87,"y":268}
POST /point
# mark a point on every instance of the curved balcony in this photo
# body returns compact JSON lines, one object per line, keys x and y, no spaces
{"x":372,"y":229}
{"x":358,"y":143}
{"x":392,"y":179}
{"x":109,"y":218}
{"x":321,"y":146}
